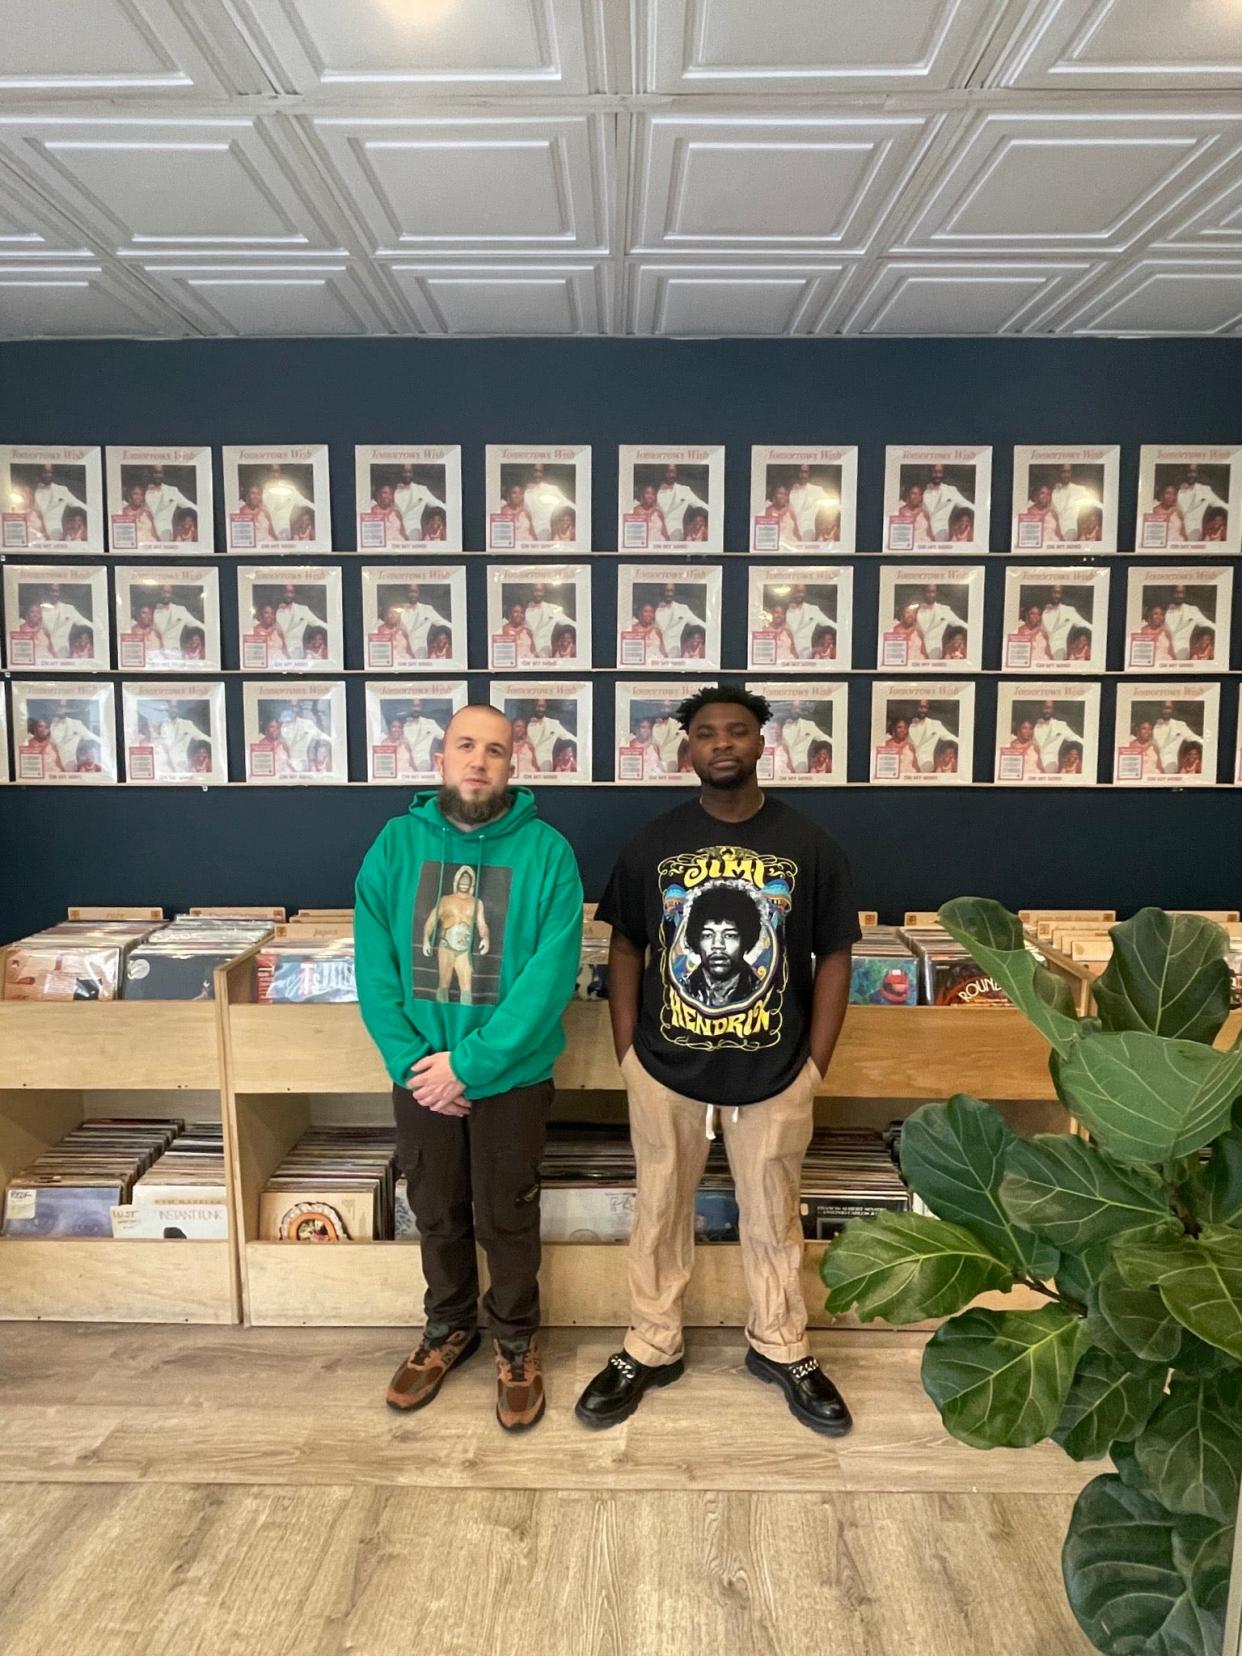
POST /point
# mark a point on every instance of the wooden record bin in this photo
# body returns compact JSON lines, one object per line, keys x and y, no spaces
{"x":63,"y":1062}
{"x":289,"y":1066}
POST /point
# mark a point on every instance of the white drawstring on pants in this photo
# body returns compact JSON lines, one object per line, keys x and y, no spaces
{"x":711,"y":1131}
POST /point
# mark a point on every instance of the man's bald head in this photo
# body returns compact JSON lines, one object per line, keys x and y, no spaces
{"x":478,"y":750}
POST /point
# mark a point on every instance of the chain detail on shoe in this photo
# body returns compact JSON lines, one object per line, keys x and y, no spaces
{"x":808,"y":1365}
{"x":620,"y":1361}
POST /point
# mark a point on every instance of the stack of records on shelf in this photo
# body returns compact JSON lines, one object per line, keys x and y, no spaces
{"x":184,"y":1193}
{"x":71,"y":1189}
{"x":947,"y":974}
{"x":849,"y":1174}
{"x":884,"y":970}
{"x":73,"y":960}
{"x":178,"y":962}
{"x":589,"y":1183}
{"x":337,"y":1184}
{"x":314,"y":971}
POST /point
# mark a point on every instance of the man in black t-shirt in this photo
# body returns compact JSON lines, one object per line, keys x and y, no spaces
{"x":729,"y":970}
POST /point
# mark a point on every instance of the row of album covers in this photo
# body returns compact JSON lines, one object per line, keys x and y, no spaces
{"x":921,"y":734}
{"x":1064,"y":498}
{"x":800,"y":618}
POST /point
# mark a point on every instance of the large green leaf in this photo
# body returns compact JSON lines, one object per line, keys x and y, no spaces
{"x":1143,"y":1581}
{"x":1190,"y":1451}
{"x":1072,"y":1195}
{"x":1199,"y":1279}
{"x":1134,"y":1322}
{"x":1111,"y":1397}
{"x":1216,"y":1191}
{"x":1202,"y":1361}
{"x":903,"y":1267}
{"x":953,"y":1155}
{"x":1167,"y":976}
{"x":996,"y":942}
{"x":1078,"y":1273}
{"x":1146,"y":1098}
{"x":1002,"y":1377}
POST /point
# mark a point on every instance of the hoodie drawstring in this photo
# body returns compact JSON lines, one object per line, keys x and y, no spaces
{"x":435,"y":933}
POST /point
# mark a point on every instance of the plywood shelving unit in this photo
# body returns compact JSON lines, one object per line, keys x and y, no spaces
{"x":62,"y":1062}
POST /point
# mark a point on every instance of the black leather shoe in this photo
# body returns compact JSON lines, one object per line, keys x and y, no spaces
{"x":812,"y":1397}
{"x":618,"y":1388}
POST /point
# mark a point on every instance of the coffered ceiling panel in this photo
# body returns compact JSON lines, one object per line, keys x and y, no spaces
{"x":229,"y":300}
{"x":82,"y":300}
{"x":707,"y":299}
{"x":1064,"y":182}
{"x":767,"y":185}
{"x":1128,"y":43}
{"x":137,"y":183}
{"x":1166,"y":297}
{"x":810,"y":45}
{"x":496,"y":184}
{"x":941,"y":297}
{"x":540,"y":299}
{"x":120,"y":46}
{"x":491,"y":46}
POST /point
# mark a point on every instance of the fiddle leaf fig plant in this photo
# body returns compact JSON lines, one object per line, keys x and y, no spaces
{"x":1133,"y":1237}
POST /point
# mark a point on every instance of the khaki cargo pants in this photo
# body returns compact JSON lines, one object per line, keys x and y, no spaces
{"x":766,"y":1143}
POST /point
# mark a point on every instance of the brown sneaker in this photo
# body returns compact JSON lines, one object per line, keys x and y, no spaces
{"x":420,"y":1377}
{"x":520,"y":1397}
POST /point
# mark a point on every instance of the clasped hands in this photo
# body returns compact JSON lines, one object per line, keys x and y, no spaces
{"x":436,"y":1088}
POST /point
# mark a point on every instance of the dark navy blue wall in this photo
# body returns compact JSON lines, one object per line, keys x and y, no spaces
{"x":910,"y":849}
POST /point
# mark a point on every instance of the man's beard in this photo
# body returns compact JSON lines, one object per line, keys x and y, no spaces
{"x":473,"y":812}
{"x":727,"y":784}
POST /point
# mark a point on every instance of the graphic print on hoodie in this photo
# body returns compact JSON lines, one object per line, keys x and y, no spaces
{"x":460,"y":909}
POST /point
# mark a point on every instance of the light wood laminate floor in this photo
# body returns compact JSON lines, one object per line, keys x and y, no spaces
{"x":241,"y":1491}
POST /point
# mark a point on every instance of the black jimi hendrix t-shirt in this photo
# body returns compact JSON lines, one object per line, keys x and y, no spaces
{"x":731,"y":914}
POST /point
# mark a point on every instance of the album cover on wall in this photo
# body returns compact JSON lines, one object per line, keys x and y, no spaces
{"x":407,"y":497}
{"x":1177,"y":619}
{"x":802,"y":497}
{"x":295,"y":733}
{"x":405,"y":728}
{"x":668,"y":616}
{"x":538,"y":497}
{"x":51,"y":498}
{"x":6,"y":773}
{"x":670,"y":497}
{"x":1165,"y":735}
{"x":160,"y":497}
{"x":414,"y":616}
{"x":650,"y":744}
{"x":931,"y":618}
{"x":175,"y":733}
{"x":1065,"y":499}
{"x":800,"y":613}
{"x":805,"y":742}
{"x":289,"y":618}
{"x":278,"y":496}
{"x":551,"y":728}
{"x":1048,"y":734}
{"x":56,"y":615}
{"x":1055,"y":614}
{"x":937,"y":497}
{"x":167,"y":618}
{"x":1190,"y":499}
{"x":537,"y":613}
{"x":64,"y":732}
{"x":922,"y":733}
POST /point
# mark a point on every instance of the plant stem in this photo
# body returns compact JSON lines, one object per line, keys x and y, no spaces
{"x":1050,"y":1293}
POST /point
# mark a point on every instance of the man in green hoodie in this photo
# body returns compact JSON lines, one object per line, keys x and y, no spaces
{"x":468,"y":922}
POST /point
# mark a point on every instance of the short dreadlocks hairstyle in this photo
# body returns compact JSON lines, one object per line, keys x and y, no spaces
{"x":734,"y":694}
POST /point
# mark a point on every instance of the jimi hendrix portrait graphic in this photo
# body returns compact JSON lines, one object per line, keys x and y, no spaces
{"x":722,"y":957}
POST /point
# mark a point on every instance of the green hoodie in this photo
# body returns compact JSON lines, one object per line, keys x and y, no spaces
{"x":527,"y":926}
